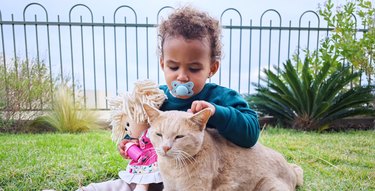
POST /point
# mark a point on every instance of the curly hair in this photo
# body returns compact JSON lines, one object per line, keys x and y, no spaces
{"x":192,"y":24}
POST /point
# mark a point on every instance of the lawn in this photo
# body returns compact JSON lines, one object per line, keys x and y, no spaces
{"x":331,"y":161}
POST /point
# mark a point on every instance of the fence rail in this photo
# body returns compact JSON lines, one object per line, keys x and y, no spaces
{"x":104,"y":58}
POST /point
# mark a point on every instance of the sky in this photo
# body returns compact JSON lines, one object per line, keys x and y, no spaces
{"x":249,"y":10}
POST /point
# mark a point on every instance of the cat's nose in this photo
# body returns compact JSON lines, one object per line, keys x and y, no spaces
{"x":166,"y":149}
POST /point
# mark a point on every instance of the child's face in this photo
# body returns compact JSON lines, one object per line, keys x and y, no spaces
{"x":187,"y":60}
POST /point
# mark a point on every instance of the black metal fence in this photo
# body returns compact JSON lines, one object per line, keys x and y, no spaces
{"x":105,"y":57}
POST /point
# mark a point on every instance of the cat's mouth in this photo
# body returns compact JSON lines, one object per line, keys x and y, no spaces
{"x":163,"y":154}
{"x":167,"y":154}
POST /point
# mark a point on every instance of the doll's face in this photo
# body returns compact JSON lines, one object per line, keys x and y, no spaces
{"x":134,"y":129}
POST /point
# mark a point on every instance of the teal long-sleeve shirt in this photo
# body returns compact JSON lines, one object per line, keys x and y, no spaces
{"x":233,"y":118}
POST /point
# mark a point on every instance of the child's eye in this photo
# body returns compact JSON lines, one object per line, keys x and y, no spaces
{"x":159,"y":134}
{"x":173,"y":68}
{"x":194,"y":70}
{"x":179,"y":136}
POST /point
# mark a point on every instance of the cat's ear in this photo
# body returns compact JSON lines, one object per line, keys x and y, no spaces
{"x":201,"y":118}
{"x":151,"y":112}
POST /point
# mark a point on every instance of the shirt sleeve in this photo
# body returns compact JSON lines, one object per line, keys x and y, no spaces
{"x":235,"y":120}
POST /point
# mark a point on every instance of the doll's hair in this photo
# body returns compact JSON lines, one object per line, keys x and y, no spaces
{"x":130,"y":105}
{"x":191,"y":24}
{"x":120,"y":107}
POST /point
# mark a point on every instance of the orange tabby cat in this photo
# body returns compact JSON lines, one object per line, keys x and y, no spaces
{"x":194,"y":158}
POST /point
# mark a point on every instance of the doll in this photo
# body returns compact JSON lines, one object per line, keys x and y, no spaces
{"x":129,"y":121}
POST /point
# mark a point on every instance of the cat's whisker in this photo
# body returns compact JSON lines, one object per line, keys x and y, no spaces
{"x":187,"y":160}
{"x":182,"y":164}
{"x":181,"y":161}
{"x":188,"y":157}
{"x":182,"y":156}
{"x":178,"y":162}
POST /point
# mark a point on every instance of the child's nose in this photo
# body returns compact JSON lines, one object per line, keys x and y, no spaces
{"x":182,"y":77}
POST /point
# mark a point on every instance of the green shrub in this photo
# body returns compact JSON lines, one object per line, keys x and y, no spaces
{"x":343,"y":42}
{"x":303,"y":100}
{"x":25,"y":89}
{"x":67,"y":115}
{"x":2,"y":92}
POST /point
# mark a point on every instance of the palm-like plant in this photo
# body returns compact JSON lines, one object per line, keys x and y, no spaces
{"x":308,"y":101}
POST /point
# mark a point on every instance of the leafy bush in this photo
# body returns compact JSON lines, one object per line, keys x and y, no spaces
{"x":2,"y":93}
{"x":343,"y":42}
{"x":67,"y":115}
{"x":25,"y":89}
{"x":303,"y":100}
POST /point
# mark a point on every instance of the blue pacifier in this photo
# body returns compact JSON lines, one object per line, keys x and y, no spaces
{"x":179,"y":89}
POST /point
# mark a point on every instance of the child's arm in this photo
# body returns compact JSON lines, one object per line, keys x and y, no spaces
{"x":235,"y":120}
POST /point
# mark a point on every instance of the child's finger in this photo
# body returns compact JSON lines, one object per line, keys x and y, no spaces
{"x":199,"y":106}
{"x":193,"y":107}
{"x":121,"y":148}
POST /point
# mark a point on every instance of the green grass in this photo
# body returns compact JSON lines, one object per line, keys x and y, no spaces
{"x":58,"y":161}
{"x":331,"y":161}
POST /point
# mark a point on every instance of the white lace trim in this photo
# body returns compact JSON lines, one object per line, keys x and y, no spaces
{"x":148,"y":178}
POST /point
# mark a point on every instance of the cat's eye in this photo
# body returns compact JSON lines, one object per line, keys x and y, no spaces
{"x":179,"y":136}
{"x":127,"y":124}
{"x":159,"y":134}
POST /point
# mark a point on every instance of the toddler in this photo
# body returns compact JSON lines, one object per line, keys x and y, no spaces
{"x":190,"y":53}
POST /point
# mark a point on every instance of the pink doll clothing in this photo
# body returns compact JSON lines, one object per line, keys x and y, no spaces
{"x":145,"y":170}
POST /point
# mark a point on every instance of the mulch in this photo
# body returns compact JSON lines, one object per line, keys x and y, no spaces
{"x":355,"y":123}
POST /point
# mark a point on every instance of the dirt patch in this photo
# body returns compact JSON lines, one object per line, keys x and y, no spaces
{"x":355,"y":123}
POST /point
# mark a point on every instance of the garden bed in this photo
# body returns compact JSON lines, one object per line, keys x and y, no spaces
{"x":353,"y":123}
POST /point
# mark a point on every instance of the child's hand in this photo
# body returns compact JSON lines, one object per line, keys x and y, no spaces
{"x":197,"y":106}
{"x":121,"y":147}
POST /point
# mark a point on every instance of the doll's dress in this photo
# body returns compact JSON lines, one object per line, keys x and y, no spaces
{"x":145,"y":170}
